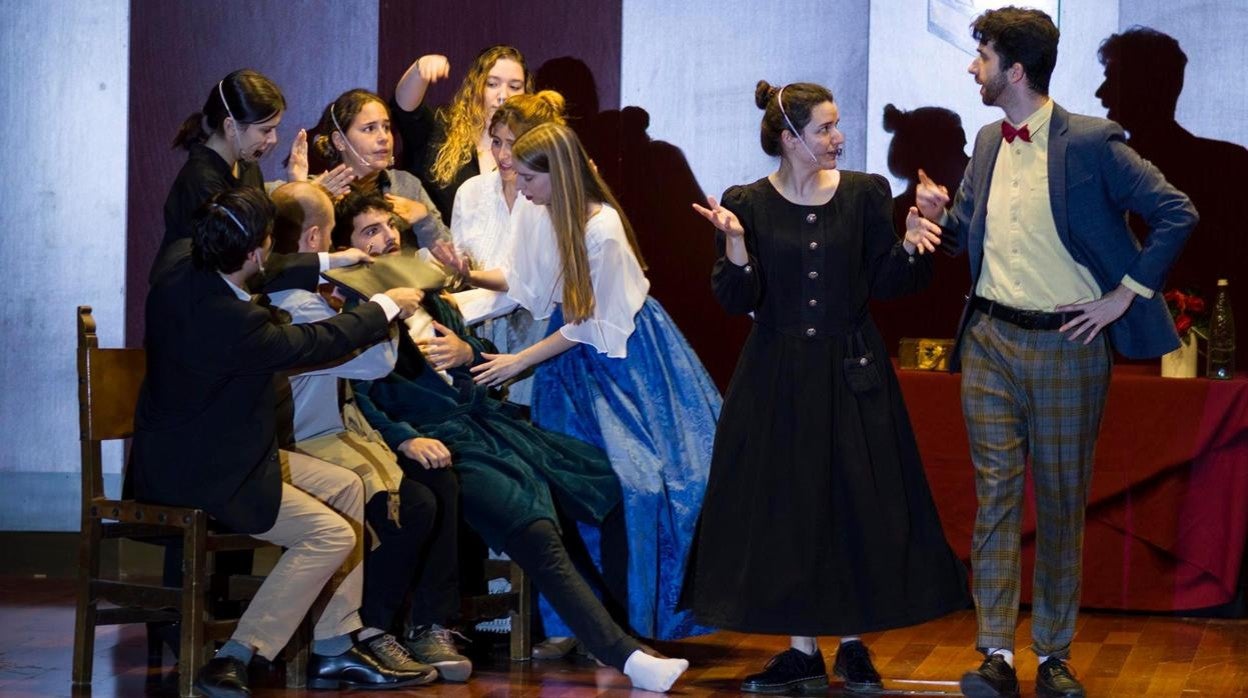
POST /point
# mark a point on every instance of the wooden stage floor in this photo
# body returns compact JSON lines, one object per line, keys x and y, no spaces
{"x":1115,"y":655}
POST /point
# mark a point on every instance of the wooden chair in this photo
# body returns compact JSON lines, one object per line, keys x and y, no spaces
{"x":108,"y":389}
{"x":516,"y":603}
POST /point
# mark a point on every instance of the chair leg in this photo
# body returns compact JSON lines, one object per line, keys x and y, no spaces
{"x":84,"y":617}
{"x":194,"y":597}
{"x":521,"y":618}
{"x":297,"y":655}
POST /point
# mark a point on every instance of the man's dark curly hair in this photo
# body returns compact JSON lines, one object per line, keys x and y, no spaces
{"x":1023,"y":36}
{"x":357,"y":201}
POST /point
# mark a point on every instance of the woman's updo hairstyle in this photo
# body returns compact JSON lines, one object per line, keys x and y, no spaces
{"x":343,"y":110}
{"x":524,"y":111}
{"x":249,"y":99}
{"x":799,"y":99}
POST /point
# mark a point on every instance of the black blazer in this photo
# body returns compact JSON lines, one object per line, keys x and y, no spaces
{"x":205,"y":421}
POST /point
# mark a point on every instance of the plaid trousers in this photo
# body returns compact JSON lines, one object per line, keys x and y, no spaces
{"x":1030,"y":393}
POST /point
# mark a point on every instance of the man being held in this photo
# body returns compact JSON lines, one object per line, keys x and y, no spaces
{"x":412,"y":521}
{"x":1057,"y":279}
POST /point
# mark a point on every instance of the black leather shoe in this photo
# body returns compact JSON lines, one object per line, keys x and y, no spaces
{"x":1055,"y":680}
{"x":223,"y":677}
{"x":791,"y":670}
{"x":357,"y":668}
{"x":995,"y":677}
{"x":853,"y":666}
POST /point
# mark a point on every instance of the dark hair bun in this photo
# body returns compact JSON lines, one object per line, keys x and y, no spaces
{"x":764,"y":92}
{"x":892,"y":118}
{"x":325,"y":147}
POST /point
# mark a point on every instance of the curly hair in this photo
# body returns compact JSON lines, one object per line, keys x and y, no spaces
{"x":464,"y":117}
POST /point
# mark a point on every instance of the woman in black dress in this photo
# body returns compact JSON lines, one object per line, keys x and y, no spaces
{"x":447,"y":146}
{"x":817,"y":519}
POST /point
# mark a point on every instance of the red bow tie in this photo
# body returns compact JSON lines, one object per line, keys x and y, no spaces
{"x":1009,"y":133}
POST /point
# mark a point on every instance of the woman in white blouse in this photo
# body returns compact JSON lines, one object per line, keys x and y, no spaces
{"x":613,"y":369}
{"x":481,"y":231}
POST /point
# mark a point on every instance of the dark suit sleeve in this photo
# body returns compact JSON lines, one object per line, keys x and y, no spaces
{"x":283,"y":272}
{"x":261,"y":346}
{"x":1135,"y":184}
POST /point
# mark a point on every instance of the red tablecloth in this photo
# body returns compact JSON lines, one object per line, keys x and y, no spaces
{"x":1168,"y":513}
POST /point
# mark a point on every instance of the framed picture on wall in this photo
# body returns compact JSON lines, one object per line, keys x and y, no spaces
{"x":951,"y":19}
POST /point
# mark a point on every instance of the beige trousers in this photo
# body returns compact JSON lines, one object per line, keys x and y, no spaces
{"x":319,"y":524}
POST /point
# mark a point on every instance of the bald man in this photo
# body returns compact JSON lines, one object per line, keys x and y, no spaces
{"x":410,"y":520}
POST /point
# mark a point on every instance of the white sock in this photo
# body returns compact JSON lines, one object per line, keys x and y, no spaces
{"x":851,"y":638}
{"x":1043,"y":658}
{"x":806,"y":645}
{"x":1007,"y":655}
{"x":653,"y":674}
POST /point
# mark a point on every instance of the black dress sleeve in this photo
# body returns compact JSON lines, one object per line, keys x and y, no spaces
{"x":891,"y":271}
{"x":739,"y":289}
{"x":418,"y":129}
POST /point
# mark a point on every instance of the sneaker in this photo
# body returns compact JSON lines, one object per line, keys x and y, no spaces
{"x":392,"y":655}
{"x":853,"y":666}
{"x":435,"y":645}
{"x":791,"y":670}
{"x":995,"y":678}
{"x":1054,"y":679}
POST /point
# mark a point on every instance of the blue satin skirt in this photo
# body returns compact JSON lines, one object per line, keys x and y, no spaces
{"x":654,"y":413}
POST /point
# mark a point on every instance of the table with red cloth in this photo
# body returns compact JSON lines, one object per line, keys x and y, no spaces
{"x":1167,"y":518}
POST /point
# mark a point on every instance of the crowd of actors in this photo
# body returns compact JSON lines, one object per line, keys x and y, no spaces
{"x":546,"y":402}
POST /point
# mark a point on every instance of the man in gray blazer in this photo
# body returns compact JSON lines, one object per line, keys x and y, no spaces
{"x":1057,"y":279}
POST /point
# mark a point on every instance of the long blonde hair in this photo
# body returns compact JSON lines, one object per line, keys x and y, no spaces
{"x":464,"y":117}
{"x":574,"y":185}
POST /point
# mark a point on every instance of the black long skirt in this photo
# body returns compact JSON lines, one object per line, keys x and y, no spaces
{"x":818,"y":519}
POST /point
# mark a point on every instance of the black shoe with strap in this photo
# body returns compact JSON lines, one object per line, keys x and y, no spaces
{"x":993,"y":679}
{"x":853,"y":666}
{"x":791,"y":670}
{"x":1054,"y":679}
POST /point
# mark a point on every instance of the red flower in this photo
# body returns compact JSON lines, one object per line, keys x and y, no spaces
{"x":1195,"y":305}
{"x":1182,"y":324}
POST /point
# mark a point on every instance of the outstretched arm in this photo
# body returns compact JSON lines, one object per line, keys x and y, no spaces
{"x":409,"y":93}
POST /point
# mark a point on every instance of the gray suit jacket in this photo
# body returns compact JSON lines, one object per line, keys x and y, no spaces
{"x":1095,"y":178}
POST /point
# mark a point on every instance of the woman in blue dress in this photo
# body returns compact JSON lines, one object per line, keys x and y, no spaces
{"x":613,"y":370}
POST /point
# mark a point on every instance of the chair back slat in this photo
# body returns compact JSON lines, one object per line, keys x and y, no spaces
{"x":108,"y":384}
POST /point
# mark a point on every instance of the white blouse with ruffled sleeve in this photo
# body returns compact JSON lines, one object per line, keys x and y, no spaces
{"x":481,"y":229}
{"x":535,"y":277}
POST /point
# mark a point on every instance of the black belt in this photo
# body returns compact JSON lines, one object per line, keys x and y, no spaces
{"x":1026,"y":319}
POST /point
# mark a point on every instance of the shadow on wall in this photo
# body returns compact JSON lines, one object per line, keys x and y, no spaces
{"x":931,"y":139}
{"x":656,"y":187}
{"x":1143,"y":80}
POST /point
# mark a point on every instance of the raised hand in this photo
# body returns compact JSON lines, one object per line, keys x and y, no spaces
{"x":297,"y":165}
{"x":720,"y":217}
{"x":444,"y":251}
{"x":922,"y":235}
{"x":433,"y":67}
{"x":930,"y":197}
{"x":408,"y":210}
{"x":336,"y":181}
